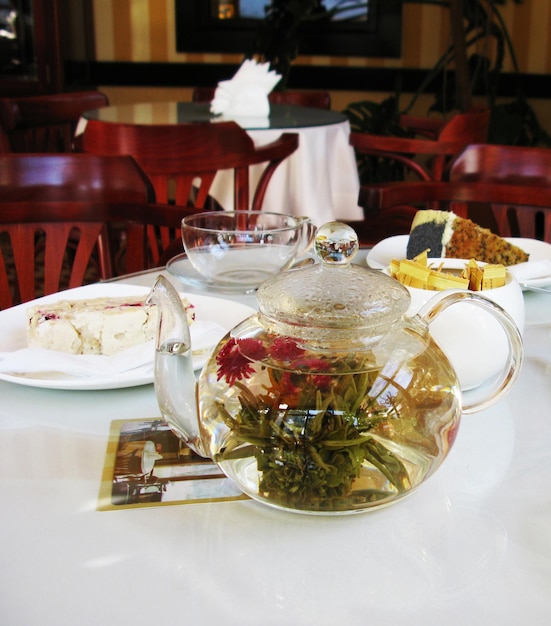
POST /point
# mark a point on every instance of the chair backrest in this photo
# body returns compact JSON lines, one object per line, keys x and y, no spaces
{"x":470,"y":127}
{"x":429,"y":156}
{"x":314,"y":99}
{"x":182,"y":160}
{"x":513,"y":182}
{"x":45,"y":123}
{"x":54,"y":217}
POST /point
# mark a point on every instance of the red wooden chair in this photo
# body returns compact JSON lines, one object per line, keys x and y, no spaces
{"x":440,"y":142}
{"x":507,"y":188}
{"x":314,"y":99}
{"x":55,"y":209}
{"x":182,"y":161}
{"x":45,"y":123}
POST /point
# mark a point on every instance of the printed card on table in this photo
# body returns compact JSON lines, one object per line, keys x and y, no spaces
{"x":147,"y":465}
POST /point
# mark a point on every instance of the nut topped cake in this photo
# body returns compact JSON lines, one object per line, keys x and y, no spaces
{"x":445,"y":234}
{"x":95,"y":326}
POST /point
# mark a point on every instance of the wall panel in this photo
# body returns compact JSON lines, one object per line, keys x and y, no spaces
{"x":143,"y":30}
{"x":120,"y":14}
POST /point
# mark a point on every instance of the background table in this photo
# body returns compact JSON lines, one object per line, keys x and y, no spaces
{"x":319,"y":180}
{"x":471,"y":546}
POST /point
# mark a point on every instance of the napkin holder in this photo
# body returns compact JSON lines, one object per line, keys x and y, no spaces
{"x":244,"y":98}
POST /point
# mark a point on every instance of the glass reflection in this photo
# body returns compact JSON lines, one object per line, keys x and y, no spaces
{"x":256,"y":9}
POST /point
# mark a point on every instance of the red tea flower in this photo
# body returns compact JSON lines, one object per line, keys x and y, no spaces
{"x":252,"y":348}
{"x":287,"y":384}
{"x":322,"y":381}
{"x":312,"y":365}
{"x":234,"y":359}
{"x":285,"y":349}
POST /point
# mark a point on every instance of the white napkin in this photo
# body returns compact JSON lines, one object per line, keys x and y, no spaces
{"x":246,"y":94}
{"x":204,"y":335}
{"x":531,"y":270}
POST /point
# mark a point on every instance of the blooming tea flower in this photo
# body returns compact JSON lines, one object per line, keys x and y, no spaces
{"x":234,"y":359}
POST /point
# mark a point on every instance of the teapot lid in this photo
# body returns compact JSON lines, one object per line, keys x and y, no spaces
{"x":334,"y":293}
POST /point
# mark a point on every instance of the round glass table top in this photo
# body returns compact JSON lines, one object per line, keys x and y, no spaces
{"x":281,"y":115}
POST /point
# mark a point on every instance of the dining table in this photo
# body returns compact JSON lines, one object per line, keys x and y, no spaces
{"x":320,"y":179}
{"x":472,"y":545}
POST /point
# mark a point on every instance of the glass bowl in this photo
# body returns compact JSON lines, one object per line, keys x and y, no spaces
{"x":241,"y":249}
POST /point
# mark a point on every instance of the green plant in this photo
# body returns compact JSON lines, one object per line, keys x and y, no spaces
{"x":472,"y":65}
{"x":478,"y":25}
{"x":377,"y":119}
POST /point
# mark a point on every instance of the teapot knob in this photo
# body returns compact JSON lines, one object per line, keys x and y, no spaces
{"x":336,"y":243}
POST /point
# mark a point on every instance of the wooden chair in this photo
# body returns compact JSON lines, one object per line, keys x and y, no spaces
{"x":144,"y":251}
{"x":182,"y":161}
{"x":314,"y":99}
{"x":513,"y":182}
{"x":440,"y":142}
{"x":45,"y":123}
{"x":55,"y":210}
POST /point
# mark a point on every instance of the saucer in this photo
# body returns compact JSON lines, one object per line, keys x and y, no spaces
{"x":181,"y":268}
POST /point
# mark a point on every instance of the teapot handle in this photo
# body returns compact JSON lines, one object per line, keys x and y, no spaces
{"x":431,"y":309}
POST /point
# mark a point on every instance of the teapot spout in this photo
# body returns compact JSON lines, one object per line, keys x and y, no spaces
{"x":175,"y":384}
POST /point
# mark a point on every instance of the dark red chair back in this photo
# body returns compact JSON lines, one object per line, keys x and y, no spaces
{"x":427,"y":157}
{"x":45,"y":123}
{"x":506,"y":188}
{"x":182,"y":161}
{"x":54,"y":218}
{"x":516,"y":183}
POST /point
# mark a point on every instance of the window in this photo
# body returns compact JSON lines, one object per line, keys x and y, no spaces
{"x":230,"y":26}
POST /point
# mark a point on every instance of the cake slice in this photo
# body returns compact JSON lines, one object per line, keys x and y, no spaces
{"x":95,"y":326}
{"x":445,"y":234}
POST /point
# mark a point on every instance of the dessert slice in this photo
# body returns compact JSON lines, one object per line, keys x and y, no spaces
{"x":96,"y":326}
{"x":444,"y":234}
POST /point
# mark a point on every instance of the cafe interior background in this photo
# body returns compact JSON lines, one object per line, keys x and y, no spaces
{"x":129,"y":50}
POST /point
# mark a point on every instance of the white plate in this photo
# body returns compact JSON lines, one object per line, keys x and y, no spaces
{"x":382,"y":253}
{"x":226,"y":313}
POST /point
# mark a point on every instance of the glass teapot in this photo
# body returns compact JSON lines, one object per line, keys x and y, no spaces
{"x":329,"y":400}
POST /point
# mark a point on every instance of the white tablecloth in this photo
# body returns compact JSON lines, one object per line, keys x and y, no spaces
{"x":471,"y":546}
{"x":319,"y":180}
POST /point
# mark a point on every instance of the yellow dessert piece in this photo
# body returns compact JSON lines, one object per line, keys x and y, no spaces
{"x":439,"y":280}
{"x":420,"y":274}
{"x":488,"y":276}
{"x":413,"y":274}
